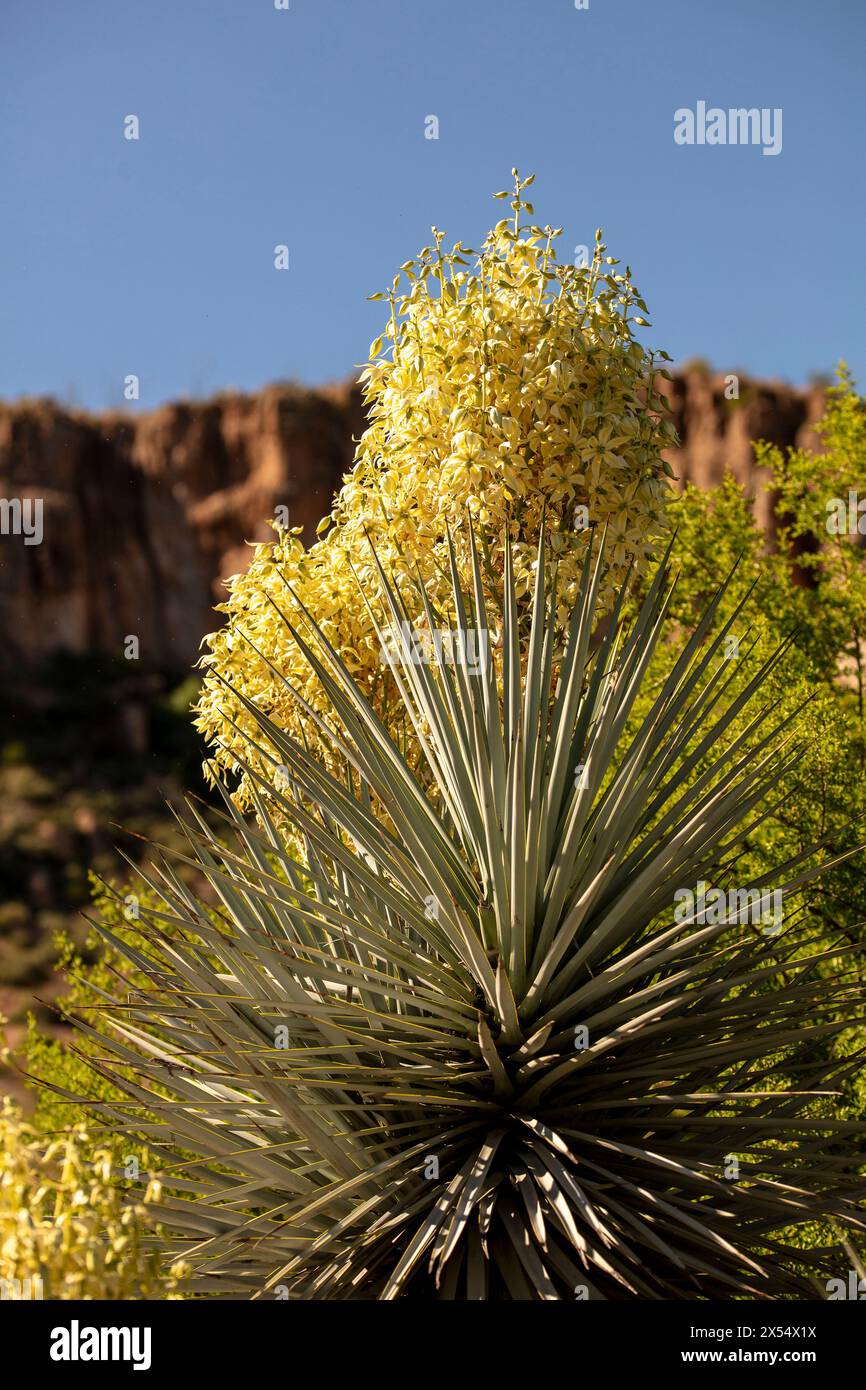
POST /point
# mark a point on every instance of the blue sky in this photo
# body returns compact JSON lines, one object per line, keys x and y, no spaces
{"x":306,"y":127}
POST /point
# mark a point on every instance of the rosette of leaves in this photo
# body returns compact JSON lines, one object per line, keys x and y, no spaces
{"x":460,"y":1046}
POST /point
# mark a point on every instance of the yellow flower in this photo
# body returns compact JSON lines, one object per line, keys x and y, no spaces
{"x":68,"y":1227}
{"x":508,"y":388}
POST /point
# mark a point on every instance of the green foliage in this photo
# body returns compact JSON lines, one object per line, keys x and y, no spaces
{"x":812,"y":584}
{"x":61,"y":1070}
{"x":824,"y":797}
{"x":831,"y":607}
{"x":57,"y":1069}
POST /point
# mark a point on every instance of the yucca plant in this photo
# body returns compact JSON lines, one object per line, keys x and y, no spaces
{"x":444,"y":1035}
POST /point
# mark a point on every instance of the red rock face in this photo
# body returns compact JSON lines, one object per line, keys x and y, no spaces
{"x":145,"y":516}
{"x":717,"y":435}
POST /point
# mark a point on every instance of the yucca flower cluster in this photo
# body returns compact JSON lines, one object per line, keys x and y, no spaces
{"x":505,"y":387}
{"x":67,"y":1226}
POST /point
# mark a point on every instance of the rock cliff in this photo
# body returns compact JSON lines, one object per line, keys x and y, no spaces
{"x":145,"y":515}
